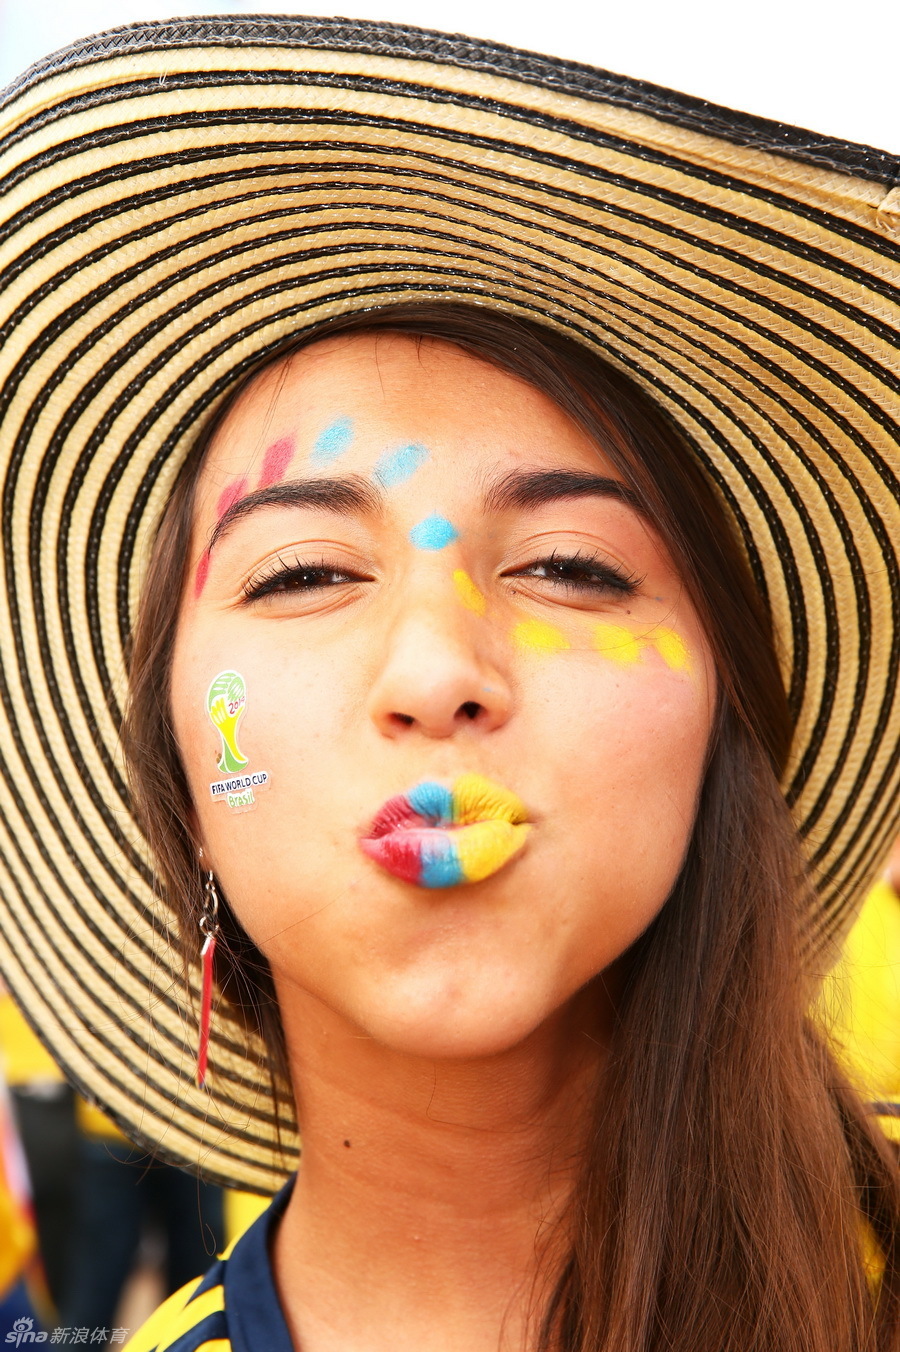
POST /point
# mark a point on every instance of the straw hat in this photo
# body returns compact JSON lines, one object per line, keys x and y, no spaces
{"x":178,"y":198}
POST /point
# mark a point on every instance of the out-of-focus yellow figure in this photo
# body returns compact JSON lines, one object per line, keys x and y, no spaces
{"x":23,"y":1287}
{"x":18,"y":1237}
{"x":861,"y":1000}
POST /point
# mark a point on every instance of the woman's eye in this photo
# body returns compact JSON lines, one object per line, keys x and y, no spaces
{"x":283,"y":578}
{"x":591,"y":574}
{"x":579,"y":572}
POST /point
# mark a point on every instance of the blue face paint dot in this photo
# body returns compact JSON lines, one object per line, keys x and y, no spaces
{"x":395,"y":467}
{"x":433,"y":801}
{"x":433,"y":532}
{"x":332,"y":442}
{"x":440,"y":865}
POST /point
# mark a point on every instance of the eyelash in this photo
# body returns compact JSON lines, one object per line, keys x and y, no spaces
{"x":602,"y":575}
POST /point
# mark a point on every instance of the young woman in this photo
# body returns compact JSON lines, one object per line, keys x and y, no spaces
{"x":458,"y":734}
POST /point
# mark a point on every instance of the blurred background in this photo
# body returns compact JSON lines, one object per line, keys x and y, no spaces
{"x":92,"y":1232}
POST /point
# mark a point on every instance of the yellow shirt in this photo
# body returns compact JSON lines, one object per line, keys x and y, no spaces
{"x":25,"y":1060}
{"x":861,"y":1005}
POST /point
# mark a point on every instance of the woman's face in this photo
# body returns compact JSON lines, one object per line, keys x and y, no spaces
{"x":419,"y":581}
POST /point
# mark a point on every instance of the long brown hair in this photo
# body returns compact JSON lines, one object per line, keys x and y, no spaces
{"x":731,"y":1173}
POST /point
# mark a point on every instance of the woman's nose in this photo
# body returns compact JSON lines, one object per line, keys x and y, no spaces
{"x":437,"y":674}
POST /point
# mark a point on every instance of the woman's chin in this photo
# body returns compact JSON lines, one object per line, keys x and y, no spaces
{"x":456,"y":1024}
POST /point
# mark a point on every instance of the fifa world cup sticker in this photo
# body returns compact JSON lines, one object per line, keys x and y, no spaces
{"x":226,"y":701}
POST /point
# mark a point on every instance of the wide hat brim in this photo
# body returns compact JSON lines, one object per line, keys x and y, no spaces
{"x":176,"y":200}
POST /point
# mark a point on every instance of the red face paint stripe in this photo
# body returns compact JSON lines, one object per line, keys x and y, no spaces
{"x":202,"y":573}
{"x":229,"y":496}
{"x":275,"y":461}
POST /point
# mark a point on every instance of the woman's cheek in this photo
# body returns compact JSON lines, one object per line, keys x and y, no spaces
{"x":634,"y":759}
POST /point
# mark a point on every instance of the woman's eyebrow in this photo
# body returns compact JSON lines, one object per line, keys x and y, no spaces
{"x":352,"y":494}
{"x":346,"y":495}
{"x":532,"y":488}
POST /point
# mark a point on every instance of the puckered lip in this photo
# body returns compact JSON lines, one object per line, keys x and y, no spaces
{"x":429,"y":804}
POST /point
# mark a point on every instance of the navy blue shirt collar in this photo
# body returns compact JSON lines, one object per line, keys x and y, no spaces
{"x":252,"y":1308}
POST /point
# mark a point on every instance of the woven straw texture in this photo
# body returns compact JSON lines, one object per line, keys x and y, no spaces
{"x":176,"y":200}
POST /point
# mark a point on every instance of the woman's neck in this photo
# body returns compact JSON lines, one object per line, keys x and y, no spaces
{"x":428,"y":1193}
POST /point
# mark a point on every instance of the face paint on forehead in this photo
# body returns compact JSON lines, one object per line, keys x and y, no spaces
{"x":399,"y":464}
{"x":332,"y":441}
{"x":433,"y":532}
{"x":230,"y":494}
{"x":275,"y":461}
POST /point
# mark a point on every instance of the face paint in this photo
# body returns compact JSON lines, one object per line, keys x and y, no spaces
{"x":275,"y":461}
{"x":226,"y":701}
{"x":671,"y":648}
{"x":201,"y":574}
{"x":468,"y":593}
{"x":542,"y":637}
{"x":332,"y":442}
{"x":433,"y":532}
{"x":439,"y":837}
{"x":618,"y":643}
{"x":395,"y":467}
{"x":229,"y":496}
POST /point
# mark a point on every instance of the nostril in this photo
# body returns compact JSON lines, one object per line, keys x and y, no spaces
{"x":471,"y":709}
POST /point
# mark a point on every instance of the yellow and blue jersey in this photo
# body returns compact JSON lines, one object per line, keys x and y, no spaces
{"x":234,"y":1308}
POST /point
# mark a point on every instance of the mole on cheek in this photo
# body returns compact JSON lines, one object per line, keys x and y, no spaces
{"x":275,"y":461}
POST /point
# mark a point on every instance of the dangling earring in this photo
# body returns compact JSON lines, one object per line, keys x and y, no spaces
{"x":209,"y":928}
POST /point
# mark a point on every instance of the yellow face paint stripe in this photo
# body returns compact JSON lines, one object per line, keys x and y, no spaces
{"x":618,"y":643}
{"x":468,"y":593}
{"x":621,"y":645}
{"x":542,"y":637}
{"x":671,"y":648}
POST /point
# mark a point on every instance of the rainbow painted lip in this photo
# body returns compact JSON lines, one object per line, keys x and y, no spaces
{"x":439,"y":837}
